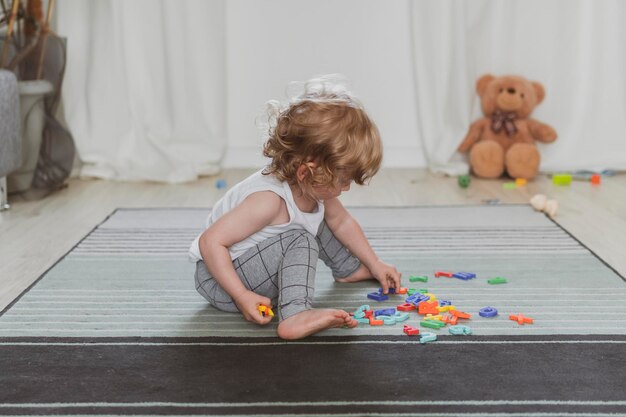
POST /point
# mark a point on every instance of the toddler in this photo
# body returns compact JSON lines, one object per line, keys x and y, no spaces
{"x":264,"y":237}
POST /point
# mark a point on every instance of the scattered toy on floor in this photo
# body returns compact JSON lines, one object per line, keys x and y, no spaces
{"x":433,"y":324}
{"x":464,"y":181}
{"x":427,"y":337}
{"x":449,"y":319}
{"x":459,"y":330}
{"x":384,"y":312}
{"x":561,"y":179}
{"x":377,"y":296}
{"x":435,"y":314}
{"x":410,"y":331}
{"x":586,"y":175}
{"x":406,"y":307}
{"x":376,"y":322}
{"x":595,"y":179}
{"x":464,"y":275}
{"x":460,"y":314}
{"x":220,"y":184}
{"x":488,"y":312}
{"x":541,"y":203}
{"x":566,"y":178}
{"x":521,"y":319}
{"x":420,"y":278}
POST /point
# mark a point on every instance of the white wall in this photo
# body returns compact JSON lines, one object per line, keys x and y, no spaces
{"x":269,"y":44}
{"x":240,"y":53}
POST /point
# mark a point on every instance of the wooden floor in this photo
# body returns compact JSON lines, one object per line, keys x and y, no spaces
{"x":35,"y":234}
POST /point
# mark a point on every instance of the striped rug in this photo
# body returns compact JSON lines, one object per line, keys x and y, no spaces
{"x":117,"y":328}
{"x":130,"y":277}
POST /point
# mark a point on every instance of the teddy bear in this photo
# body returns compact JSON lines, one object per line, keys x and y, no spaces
{"x":504,"y":139}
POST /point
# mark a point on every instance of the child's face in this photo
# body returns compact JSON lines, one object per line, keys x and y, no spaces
{"x":326,"y":193}
{"x":321,"y":193}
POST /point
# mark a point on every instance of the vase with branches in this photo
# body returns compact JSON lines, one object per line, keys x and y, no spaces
{"x":37,"y":56}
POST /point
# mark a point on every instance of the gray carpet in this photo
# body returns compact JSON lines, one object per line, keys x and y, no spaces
{"x":116,"y":328}
{"x":131,"y":277}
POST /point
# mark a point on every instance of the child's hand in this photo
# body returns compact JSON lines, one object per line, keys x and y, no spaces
{"x":248,"y":303}
{"x":387,"y":275}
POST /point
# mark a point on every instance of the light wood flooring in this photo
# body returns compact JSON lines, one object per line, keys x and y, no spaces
{"x":35,"y":234}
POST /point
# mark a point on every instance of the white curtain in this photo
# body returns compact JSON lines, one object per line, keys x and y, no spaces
{"x":158,"y":89}
{"x":145,"y":87}
{"x":575,"y":48}
{"x":273,"y":42}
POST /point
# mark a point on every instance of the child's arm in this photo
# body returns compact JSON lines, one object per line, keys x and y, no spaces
{"x":255,"y":212}
{"x":349,"y":232}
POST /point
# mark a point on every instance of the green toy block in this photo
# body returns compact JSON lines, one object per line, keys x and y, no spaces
{"x":497,"y":280}
{"x":433,"y":324}
{"x":509,"y":186}
{"x":561,"y":179}
{"x":423,"y":290}
{"x":464,"y":181}
{"x":421,"y":278}
{"x":411,"y":291}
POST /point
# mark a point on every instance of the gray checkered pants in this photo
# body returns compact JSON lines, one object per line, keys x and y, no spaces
{"x":282,"y":268}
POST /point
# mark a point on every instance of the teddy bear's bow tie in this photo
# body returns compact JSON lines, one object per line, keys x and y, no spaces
{"x":500,"y":119}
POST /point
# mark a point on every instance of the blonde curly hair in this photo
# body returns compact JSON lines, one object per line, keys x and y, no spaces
{"x":326,"y":125}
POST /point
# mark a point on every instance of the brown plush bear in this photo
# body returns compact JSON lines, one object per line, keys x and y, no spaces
{"x":505,"y":137}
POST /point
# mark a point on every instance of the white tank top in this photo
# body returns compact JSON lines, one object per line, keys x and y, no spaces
{"x":235,"y":196}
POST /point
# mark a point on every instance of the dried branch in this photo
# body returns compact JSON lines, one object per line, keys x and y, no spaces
{"x":44,"y":42}
{"x":4,"y":11}
{"x":7,"y":41}
{"x":24,"y":52}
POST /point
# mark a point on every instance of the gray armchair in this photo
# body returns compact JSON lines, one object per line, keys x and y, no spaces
{"x":10,"y":138}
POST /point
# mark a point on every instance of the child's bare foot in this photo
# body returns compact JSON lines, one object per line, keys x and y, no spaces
{"x":312,"y":321}
{"x":360,"y":274}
